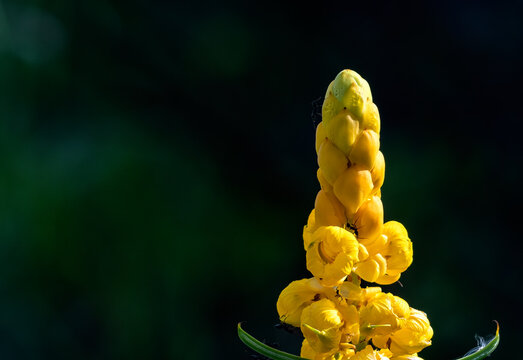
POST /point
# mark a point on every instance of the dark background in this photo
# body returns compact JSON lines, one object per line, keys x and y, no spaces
{"x":157,"y":166}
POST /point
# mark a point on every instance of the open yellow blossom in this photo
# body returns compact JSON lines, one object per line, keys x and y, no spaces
{"x":383,"y":315}
{"x":399,"y":248}
{"x":414,"y":335}
{"x":297,"y":296}
{"x":321,"y":323}
{"x":331,"y":254}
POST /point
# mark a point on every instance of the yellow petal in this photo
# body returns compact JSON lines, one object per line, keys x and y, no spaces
{"x":368,"y":270}
{"x":365,"y":149}
{"x":307,"y":352}
{"x":353,"y":187}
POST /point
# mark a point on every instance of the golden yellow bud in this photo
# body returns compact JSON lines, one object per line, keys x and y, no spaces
{"x":332,"y":161}
{"x":342,"y":130}
{"x":353,"y":187}
{"x":328,"y":210}
{"x":371,"y":118}
{"x":324,"y":184}
{"x":365,"y":149}
{"x":368,"y":220}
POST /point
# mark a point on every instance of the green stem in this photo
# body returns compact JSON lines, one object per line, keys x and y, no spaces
{"x":264,"y":349}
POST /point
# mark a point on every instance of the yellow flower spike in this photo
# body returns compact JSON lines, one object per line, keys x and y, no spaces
{"x":399,"y":249}
{"x":320,"y":136}
{"x":369,"y":354}
{"x":331,"y":255}
{"x":332,"y":161}
{"x":324,"y":184}
{"x":352,"y":188}
{"x":378,"y":173}
{"x":365,"y":149}
{"x":309,"y":229}
{"x":414,"y":336}
{"x":297,"y":296}
{"x":320,"y":323}
{"x":328,"y":210}
{"x":371,"y":118}
{"x":368,"y":220}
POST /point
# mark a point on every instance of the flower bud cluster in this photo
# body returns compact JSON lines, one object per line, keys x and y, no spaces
{"x":345,"y":239}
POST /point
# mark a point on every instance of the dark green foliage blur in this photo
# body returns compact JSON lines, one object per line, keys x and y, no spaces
{"x":157,"y":166}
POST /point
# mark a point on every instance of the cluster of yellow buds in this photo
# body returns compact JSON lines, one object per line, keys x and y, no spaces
{"x":346,"y":240}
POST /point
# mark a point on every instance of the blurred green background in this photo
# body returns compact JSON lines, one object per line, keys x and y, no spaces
{"x":157,"y":166}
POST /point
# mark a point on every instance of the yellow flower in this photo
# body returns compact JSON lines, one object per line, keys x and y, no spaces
{"x":353,"y":187}
{"x":398,"y":252}
{"x":369,"y":354}
{"x":331,"y":254}
{"x":384,"y":314}
{"x":320,"y":323}
{"x":297,"y":296}
{"x":414,"y":336}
